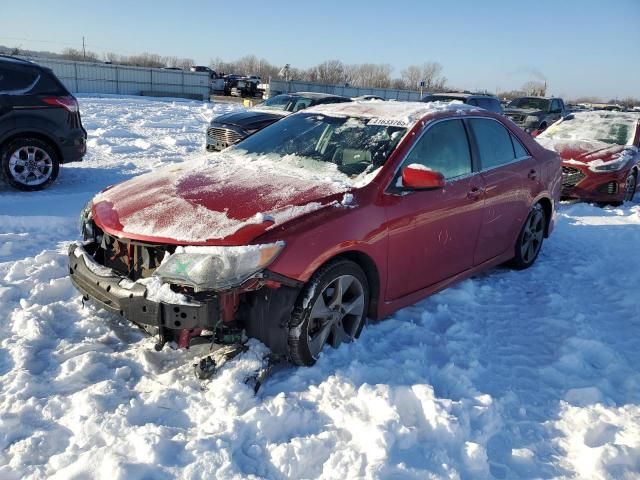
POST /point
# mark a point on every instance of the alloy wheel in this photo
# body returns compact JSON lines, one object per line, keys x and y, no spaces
{"x":532,"y":237}
{"x":336,"y":314}
{"x":30,"y":165}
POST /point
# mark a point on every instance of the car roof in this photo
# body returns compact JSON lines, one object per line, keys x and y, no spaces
{"x":314,"y":95}
{"x":460,"y":95}
{"x":16,"y":60}
{"x":392,"y":113}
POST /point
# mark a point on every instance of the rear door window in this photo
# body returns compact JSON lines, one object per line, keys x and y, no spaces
{"x":494,"y":143}
{"x":17,"y":80}
{"x":443,"y":148}
{"x":520,"y":151}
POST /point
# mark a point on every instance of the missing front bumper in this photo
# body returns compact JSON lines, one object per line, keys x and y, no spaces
{"x":117,"y":294}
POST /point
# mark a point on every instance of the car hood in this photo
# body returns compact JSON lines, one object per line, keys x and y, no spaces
{"x":523,"y":111}
{"x":581,"y":151}
{"x":249,"y":119}
{"x":220,"y":200}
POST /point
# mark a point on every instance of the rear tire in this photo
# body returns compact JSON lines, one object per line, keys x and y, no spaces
{"x":29,"y":164}
{"x":331,"y":308}
{"x":530,"y":239}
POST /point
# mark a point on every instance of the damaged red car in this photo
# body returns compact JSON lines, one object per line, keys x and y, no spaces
{"x":299,"y":233}
{"x":600,"y":156}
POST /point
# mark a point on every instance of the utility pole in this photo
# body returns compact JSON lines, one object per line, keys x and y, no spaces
{"x":84,"y":52}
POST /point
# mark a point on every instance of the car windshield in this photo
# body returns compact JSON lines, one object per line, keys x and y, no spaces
{"x":611,"y":128}
{"x":287,"y":103}
{"x":530,"y":103}
{"x":443,"y":98}
{"x":354,"y":145}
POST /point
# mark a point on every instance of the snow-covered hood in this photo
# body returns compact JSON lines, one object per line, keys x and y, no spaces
{"x":224,"y":199}
{"x":582,"y":151}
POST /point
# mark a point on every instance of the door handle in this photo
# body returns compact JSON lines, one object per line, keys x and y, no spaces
{"x":475,"y":193}
{"x":532,"y":175}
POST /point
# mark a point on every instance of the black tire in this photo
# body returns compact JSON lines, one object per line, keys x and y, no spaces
{"x":630,"y":191}
{"x":41,"y":164}
{"x":306,"y":329}
{"x":531,"y":234}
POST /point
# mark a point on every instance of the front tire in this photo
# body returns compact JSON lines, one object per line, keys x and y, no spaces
{"x":530,"y":239}
{"x":332,"y":309}
{"x":29,"y":164}
{"x":630,"y":187}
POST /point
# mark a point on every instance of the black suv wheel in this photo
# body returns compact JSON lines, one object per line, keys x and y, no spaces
{"x":29,"y":164}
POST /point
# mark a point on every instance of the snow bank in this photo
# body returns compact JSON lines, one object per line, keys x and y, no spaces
{"x":530,"y":374}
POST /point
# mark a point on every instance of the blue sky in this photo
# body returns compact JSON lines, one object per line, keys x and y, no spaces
{"x":582,"y":47}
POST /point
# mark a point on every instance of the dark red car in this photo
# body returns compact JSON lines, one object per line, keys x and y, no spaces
{"x":600,"y":157}
{"x":300,"y":232}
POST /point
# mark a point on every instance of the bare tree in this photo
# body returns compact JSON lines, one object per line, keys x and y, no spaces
{"x":430,"y":73}
{"x":330,"y":71}
{"x":79,"y":55}
{"x":534,"y":87}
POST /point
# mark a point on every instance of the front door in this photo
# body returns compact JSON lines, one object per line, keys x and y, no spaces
{"x":432,"y":234}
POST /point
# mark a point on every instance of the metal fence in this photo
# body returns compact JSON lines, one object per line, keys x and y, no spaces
{"x":87,"y":77}
{"x":278,"y":86}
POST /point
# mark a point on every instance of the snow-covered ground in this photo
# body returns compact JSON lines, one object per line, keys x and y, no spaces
{"x":529,"y":374}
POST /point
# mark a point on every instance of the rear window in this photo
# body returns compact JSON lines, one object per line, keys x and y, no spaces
{"x":490,"y":104}
{"x":17,"y":80}
{"x":494,"y":143}
{"x":49,"y":84}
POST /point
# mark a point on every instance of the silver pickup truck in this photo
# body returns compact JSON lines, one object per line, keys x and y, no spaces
{"x":535,"y":113}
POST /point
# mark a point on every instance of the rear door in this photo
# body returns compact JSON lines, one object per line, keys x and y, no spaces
{"x":432,"y":234}
{"x":7,"y":86}
{"x":509,"y":173}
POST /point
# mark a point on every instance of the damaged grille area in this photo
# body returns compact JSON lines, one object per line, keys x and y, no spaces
{"x":131,"y":258}
{"x":571,"y":176}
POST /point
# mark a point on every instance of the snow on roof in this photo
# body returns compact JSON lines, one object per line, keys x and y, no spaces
{"x":390,"y":113}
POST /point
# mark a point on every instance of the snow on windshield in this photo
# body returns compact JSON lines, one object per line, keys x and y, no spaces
{"x":607,"y":128}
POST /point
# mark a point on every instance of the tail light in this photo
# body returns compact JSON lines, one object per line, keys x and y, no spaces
{"x":67,"y":102}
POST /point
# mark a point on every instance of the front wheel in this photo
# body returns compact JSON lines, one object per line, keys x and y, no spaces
{"x":331,"y":309}
{"x":630,"y":186}
{"x":530,"y":239}
{"x":29,"y":164}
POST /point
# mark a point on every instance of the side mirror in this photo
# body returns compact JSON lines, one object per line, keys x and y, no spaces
{"x":419,"y":177}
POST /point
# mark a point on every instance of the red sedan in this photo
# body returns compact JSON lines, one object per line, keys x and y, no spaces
{"x":300,"y":232}
{"x":600,"y":157}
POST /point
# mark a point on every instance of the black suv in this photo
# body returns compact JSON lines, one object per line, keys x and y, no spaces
{"x":228,"y":129}
{"x":482,"y":100}
{"x":40,"y":125}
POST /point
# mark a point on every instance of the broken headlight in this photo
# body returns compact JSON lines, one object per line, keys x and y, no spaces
{"x":216,"y":268}
{"x":611,"y":166}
